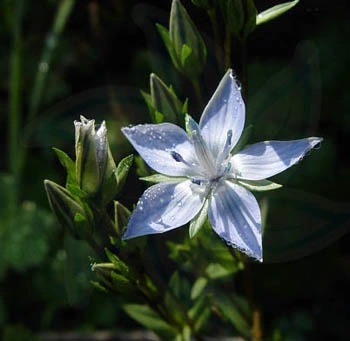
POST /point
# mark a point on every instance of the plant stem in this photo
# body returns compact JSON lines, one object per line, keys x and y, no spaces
{"x":15,"y":101}
{"x":63,"y":12}
{"x":198,"y":92}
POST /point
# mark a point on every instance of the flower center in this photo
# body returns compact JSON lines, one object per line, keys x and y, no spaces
{"x":210,"y":168}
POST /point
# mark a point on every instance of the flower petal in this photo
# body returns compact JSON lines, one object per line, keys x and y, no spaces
{"x":262,"y":160}
{"x":164,"y":207}
{"x":154,"y":142}
{"x":224,"y":112}
{"x":235,"y":216}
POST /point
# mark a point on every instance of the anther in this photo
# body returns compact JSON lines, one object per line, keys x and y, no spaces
{"x":176,"y":156}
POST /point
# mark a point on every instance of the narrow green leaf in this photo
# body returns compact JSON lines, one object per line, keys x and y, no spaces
{"x":274,"y":12}
{"x":198,"y":221}
{"x":62,"y":15}
{"x":234,"y":309}
{"x":68,"y":164}
{"x":150,"y":319}
{"x":164,"y":100}
{"x":200,"y":312}
{"x":162,"y":178}
{"x":198,"y":287}
{"x":186,"y":333}
{"x":216,"y":270}
{"x":259,"y":185}
{"x":164,"y":33}
{"x":123,"y":170}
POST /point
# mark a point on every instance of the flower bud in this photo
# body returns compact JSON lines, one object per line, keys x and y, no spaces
{"x":165,"y":101}
{"x":205,"y":4}
{"x":184,"y":42}
{"x":68,"y":211}
{"x":94,"y":161}
{"x":240,"y":16}
{"x":121,"y":217}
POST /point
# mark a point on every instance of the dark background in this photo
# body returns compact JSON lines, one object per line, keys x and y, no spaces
{"x":104,"y":57}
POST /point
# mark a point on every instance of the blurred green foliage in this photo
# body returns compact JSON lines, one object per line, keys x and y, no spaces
{"x":297,"y":84}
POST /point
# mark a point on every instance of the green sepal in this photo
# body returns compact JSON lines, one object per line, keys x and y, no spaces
{"x":121,"y":217}
{"x":164,"y":33}
{"x":156,"y":178}
{"x":164,"y":101}
{"x":198,"y":221}
{"x":274,"y":12}
{"x":68,"y":164}
{"x":259,"y":185}
{"x":123,"y":170}
{"x":69,"y":212}
{"x":118,"y":264}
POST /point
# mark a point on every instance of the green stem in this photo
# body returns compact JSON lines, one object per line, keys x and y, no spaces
{"x":63,"y":12}
{"x":198,"y":92}
{"x":15,"y":100}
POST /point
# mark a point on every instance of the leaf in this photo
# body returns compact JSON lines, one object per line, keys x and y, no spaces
{"x":216,"y":270}
{"x":198,"y":221}
{"x":200,"y":312}
{"x":123,"y":170}
{"x":198,"y":287}
{"x":68,"y":164}
{"x":259,"y":185}
{"x":274,"y":12}
{"x":179,"y":286}
{"x":300,"y":224}
{"x":236,"y":311}
{"x":150,"y":319}
{"x":162,"y":178}
{"x":164,"y":33}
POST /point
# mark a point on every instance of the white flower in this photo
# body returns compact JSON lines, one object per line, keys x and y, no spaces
{"x":203,"y":179}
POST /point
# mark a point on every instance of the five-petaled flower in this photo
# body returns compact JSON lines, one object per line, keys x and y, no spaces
{"x":201,"y":176}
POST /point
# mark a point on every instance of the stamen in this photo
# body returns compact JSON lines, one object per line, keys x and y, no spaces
{"x":204,"y":155}
{"x":196,"y":181}
{"x":176,"y":156}
{"x":226,"y":150}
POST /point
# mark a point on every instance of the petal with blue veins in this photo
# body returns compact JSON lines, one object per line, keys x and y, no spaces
{"x":155,"y":144}
{"x":164,"y":207}
{"x":262,"y":160}
{"x":235,"y":216}
{"x":225,"y":111}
